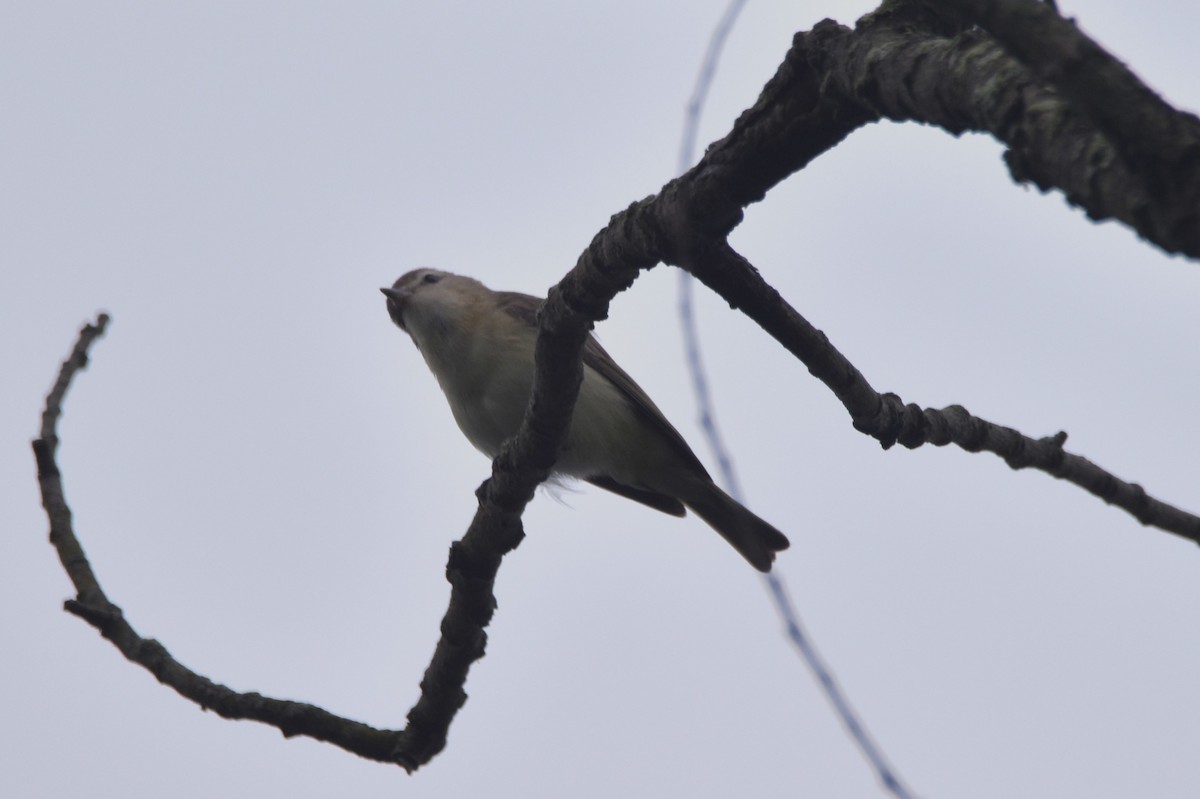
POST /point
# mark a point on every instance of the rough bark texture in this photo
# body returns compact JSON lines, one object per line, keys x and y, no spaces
{"x":1073,"y":119}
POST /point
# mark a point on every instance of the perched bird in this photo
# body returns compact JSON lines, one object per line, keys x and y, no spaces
{"x":479,"y":345}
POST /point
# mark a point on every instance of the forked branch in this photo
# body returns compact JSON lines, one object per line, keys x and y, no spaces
{"x":895,"y":65}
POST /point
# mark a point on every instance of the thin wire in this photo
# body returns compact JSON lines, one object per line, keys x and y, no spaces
{"x":783,"y":604}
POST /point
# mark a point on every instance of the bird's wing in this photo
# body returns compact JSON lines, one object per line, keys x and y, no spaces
{"x":655,"y":500}
{"x":524,"y":307}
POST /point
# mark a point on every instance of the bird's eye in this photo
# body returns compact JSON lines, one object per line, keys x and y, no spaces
{"x":430,"y":277}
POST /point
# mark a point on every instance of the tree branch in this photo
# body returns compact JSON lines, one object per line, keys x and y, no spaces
{"x":1154,"y":138}
{"x":832,"y":81}
{"x":93,"y":606}
{"x":886,"y":418}
{"x":970,"y":82}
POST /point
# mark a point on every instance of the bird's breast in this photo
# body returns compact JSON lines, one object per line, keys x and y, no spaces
{"x":487,"y":378}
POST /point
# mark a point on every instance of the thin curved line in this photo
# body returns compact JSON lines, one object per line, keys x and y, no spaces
{"x":783,"y":604}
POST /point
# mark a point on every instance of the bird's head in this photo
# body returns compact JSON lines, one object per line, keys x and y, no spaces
{"x":429,"y":302}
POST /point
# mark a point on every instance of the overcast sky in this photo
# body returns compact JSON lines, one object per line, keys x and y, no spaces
{"x":267,"y":479}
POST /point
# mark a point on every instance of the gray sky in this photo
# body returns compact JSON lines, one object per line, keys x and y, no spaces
{"x":267,"y":478}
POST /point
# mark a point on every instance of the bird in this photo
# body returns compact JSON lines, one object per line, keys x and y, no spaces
{"x":479,"y":344}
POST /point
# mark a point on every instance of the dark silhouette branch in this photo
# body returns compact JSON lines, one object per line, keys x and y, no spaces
{"x":895,"y":65}
{"x":62,"y":535}
{"x":832,"y":81}
{"x":970,"y":82}
{"x":471,"y":571}
{"x":1160,"y":142}
{"x":93,"y":606}
{"x":886,"y":418}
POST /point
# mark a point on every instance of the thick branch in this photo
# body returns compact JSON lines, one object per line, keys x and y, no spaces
{"x":1157,"y":140}
{"x":832,"y":81}
{"x":969,"y":82}
{"x":802,"y":112}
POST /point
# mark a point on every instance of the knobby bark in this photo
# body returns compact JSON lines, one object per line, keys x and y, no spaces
{"x":1073,"y":119}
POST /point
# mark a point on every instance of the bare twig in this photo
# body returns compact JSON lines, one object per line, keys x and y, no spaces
{"x":93,"y":606}
{"x":826,"y":680}
{"x":886,"y":418}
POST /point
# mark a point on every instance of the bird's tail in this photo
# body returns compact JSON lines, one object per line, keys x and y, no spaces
{"x":756,"y":540}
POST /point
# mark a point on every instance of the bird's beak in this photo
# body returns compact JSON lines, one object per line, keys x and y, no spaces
{"x":396,"y":296}
{"x":396,"y":299}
